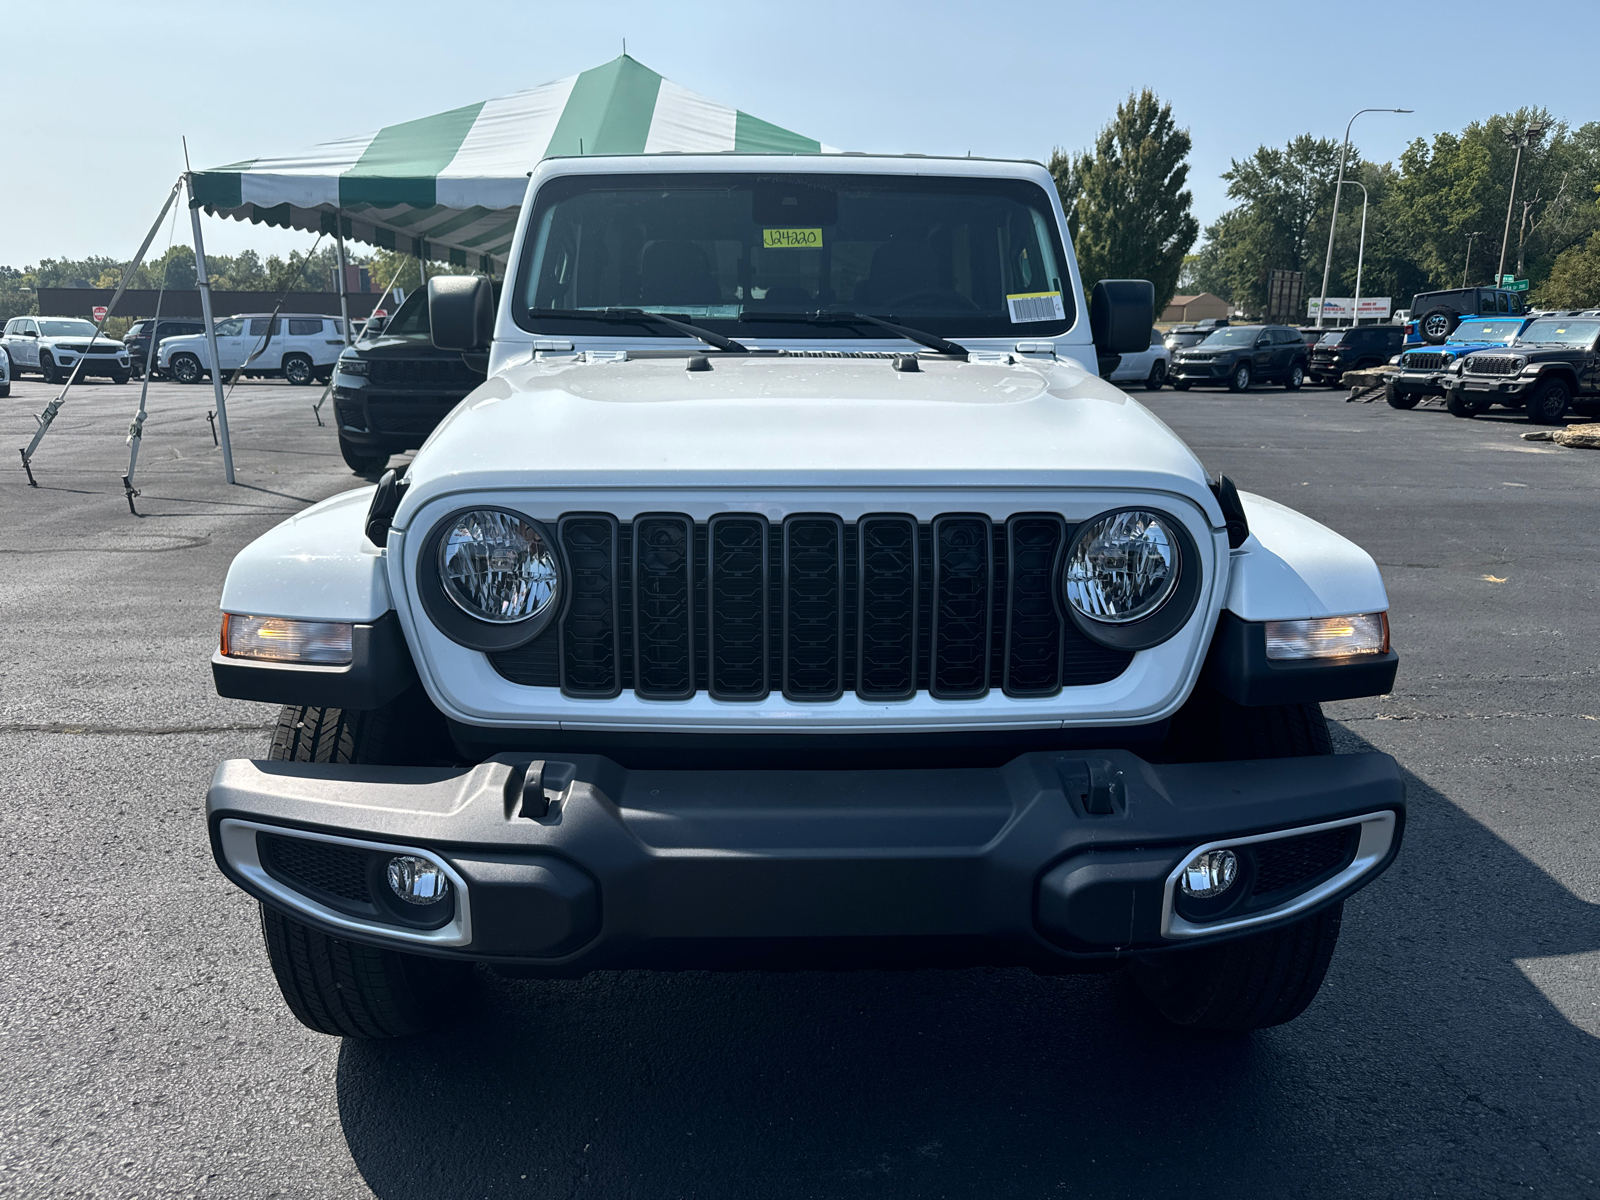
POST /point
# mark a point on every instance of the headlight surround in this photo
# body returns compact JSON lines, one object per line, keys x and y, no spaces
{"x":1131,"y":578}
{"x":490,"y":578}
{"x":352,"y":366}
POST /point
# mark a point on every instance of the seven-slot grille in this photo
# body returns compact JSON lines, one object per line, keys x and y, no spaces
{"x":423,"y":371}
{"x":1493,"y":364}
{"x":812,"y":607}
{"x":1424,"y":361}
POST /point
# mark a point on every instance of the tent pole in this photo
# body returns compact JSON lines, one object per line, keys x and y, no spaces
{"x":203,"y":282}
{"x":344,"y":292}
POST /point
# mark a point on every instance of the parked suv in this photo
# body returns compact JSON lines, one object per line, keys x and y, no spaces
{"x":1424,"y":371}
{"x":794,"y":594}
{"x":1354,"y":349}
{"x":54,"y":346}
{"x":1552,"y":366}
{"x":301,"y":347}
{"x":1148,"y":366}
{"x":139,"y":334}
{"x":391,"y":389}
{"x":1436,"y":314}
{"x":1239,"y":356}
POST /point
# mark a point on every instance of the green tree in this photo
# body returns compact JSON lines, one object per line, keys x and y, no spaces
{"x":1131,"y":216}
{"x":1574,"y":280}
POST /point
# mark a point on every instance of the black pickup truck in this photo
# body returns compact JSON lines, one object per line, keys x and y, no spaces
{"x":1554,"y":365}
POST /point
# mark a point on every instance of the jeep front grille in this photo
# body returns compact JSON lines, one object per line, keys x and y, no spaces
{"x":1425,"y":362}
{"x":1493,"y":364}
{"x":812,"y":607}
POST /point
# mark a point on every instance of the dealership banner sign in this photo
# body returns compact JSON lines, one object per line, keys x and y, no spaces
{"x":1342,"y":308}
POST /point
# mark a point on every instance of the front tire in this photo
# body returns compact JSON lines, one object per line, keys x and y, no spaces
{"x":1157,"y":378}
{"x":186,"y":368}
{"x":1181,"y":385}
{"x":1399,"y":399}
{"x":1460,"y":406}
{"x":1267,"y":978}
{"x":346,"y":989}
{"x":297,"y":369}
{"x":47,"y":368}
{"x":1250,"y":983}
{"x":1548,"y":403}
{"x":1239,"y":380}
{"x":120,"y":376}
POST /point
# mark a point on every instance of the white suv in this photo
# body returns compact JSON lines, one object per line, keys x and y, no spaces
{"x":302,"y":347}
{"x":793,"y":594}
{"x":53,"y":346}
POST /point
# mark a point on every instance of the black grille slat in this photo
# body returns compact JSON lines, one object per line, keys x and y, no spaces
{"x":813,"y":607}
{"x":887,"y":585}
{"x":316,"y":866}
{"x":1290,"y":862}
{"x":738,"y":587}
{"x":590,"y":631}
{"x":963,"y":587}
{"x":1033,"y":627}
{"x":416,"y":372}
{"x":663,"y":607}
{"x":831,"y":607}
{"x":1493,"y":364}
{"x":1425,"y":362}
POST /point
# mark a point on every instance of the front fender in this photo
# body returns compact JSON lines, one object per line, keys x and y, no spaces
{"x":1291,"y":568}
{"x":316,"y":566}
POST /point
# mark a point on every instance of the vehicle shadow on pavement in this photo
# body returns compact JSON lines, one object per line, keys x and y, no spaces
{"x":1429,"y":1061}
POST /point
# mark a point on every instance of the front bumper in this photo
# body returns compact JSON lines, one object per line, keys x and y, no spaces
{"x":1496,"y":385}
{"x":1426,"y":383}
{"x":389,"y":419}
{"x":93,"y":364}
{"x":1054,"y":861}
{"x":1202,"y":372}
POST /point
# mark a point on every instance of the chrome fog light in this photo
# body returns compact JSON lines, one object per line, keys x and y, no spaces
{"x":1209,"y":874}
{"x":417,"y":880}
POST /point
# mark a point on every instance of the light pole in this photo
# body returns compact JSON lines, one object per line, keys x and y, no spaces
{"x":1468,"y":259}
{"x":1338,"y":189}
{"x":1361,"y":253}
{"x":1521,"y":140}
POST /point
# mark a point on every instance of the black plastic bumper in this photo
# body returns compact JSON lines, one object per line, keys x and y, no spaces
{"x":1058,"y":862}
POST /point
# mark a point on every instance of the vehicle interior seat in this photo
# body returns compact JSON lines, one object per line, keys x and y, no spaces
{"x":677,"y":272}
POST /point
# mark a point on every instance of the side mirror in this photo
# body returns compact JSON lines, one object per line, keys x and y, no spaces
{"x":461,"y":312}
{"x":1121,"y":312}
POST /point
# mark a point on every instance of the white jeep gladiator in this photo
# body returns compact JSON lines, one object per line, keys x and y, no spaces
{"x":795,"y":594}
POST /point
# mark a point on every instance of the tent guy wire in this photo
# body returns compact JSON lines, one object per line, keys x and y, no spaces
{"x":47,"y":418}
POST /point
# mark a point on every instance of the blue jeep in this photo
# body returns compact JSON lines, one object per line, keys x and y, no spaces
{"x":1423,"y":367}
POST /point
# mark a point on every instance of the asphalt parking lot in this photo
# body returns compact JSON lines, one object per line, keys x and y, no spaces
{"x":144,"y":1051}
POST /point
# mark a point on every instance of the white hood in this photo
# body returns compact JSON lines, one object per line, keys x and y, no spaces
{"x":773,"y":422}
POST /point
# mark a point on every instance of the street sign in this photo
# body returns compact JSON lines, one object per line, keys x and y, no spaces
{"x":1507,"y":280}
{"x":100,"y":311}
{"x":1516,"y":285}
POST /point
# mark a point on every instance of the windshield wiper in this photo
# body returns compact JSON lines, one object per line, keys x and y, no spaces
{"x":633,"y":316}
{"x":822,"y":317}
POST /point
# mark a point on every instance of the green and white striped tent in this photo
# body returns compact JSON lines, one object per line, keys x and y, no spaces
{"x":449,"y":186}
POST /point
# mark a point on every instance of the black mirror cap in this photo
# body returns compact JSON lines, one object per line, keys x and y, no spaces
{"x":1121,"y":312}
{"x":461,"y":312}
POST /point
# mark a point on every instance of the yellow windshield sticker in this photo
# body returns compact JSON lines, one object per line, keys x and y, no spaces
{"x":791,"y":239}
{"x":1035,"y":306}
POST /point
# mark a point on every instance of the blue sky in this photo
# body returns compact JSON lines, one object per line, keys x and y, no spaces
{"x":95,"y":133}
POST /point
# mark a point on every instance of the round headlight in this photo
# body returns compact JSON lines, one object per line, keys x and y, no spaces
{"x":1123,"y":568}
{"x":497,"y":567}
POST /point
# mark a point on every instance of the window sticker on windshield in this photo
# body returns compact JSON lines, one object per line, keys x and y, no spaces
{"x":1036,"y":306}
{"x":791,"y":239}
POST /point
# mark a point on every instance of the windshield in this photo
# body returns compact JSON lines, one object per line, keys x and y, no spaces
{"x":1561,"y":333}
{"x":412,"y":319}
{"x":1235,"y":336}
{"x":66,"y":328}
{"x":1503,"y":332}
{"x":955,"y":256}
